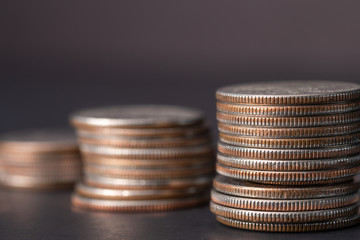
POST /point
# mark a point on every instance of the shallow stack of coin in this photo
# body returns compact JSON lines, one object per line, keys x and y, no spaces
{"x":39,"y":159}
{"x":287,"y":156}
{"x":143,"y":158}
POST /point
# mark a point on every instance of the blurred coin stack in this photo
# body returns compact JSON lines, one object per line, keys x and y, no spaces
{"x":287,"y":156}
{"x":143,"y":158}
{"x":39,"y":159}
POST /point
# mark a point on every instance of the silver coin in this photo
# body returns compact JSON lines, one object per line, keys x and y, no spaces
{"x":124,"y":183}
{"x":138,"y":115}
{"x":247,"y":189}
{"x":147,"y":153}
{"x":290,"y":92}
{"x":283,"y":217}
{"x":288,"y":165}
{"x":136,"y":205}
{"x":284,"y":205}
{"x":131,"y":194}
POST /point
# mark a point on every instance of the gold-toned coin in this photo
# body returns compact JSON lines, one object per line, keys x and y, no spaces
{"x":284,"y":205}
{"x":283,"y":217}
{"x":288,"y":122}
{"x":290,"y":142}
{"x":136,"y":205}
{"x":288,"y":178}
{"x":289,"y":165}
{"x":291,"y":110}
{"x":288,"y":154}
{"x":292,"y":227}
{"x":256,"y":190}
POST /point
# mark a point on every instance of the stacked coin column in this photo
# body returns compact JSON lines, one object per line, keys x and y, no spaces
{"x":39,"y":159}
{"x":143,"y":158}
{"x":287,"y":156}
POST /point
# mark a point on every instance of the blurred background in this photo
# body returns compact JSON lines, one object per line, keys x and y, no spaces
{"x":59,"y":56}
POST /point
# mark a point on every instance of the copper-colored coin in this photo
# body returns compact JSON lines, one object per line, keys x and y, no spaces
{"x":293,"y":178}
{"x":131,"y":194}
{"x":288,"y":154}
{"x":292,"y":227}
{"x":263,"y":121}
{"x":144,"y":143}
{"x":289,"y":165}
{"x":290,"y":142}
{"x":283,"y":205}
{"x":290,"y":93}
{"x":142,"y":153}
{"x":125,"y":183}
{"x":132,"y":173}
{"x":283,"y":217}
{"x":196,"y":130}
{"x":136,"y":205}
{"x":305,"y":110}
{"x":264,"y":132}
{"x":39,"y":141}
{"x":149,"y":163}
{"x":256,"y":190}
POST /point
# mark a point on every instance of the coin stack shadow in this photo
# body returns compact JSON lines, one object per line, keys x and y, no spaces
{"x":287,"y":156}
{"x":143,"y":158}
{"x":39,"y":159}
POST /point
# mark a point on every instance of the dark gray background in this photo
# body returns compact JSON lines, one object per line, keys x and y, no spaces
{"x":59,"y":56}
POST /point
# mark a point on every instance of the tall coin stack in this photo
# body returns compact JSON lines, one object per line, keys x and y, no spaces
{"x":287,"y":156}
{"x":39,"y":159}
{"x":143,"y":158}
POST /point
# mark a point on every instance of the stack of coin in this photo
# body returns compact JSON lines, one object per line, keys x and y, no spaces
{"x":143,"y":158}
{"x":39,"y":159}
{"x":287,"y":156}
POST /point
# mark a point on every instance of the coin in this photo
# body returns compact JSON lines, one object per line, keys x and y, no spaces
{"x":124,"y":183}
{"x":284,"y":177}
{"x":255,"y":190}
{"x":143,"y":143}
{"x":264,"y":121}
{"x":264,"y":132}
{"x":289,"y":165}
{"x":141,"y":153}
{"x":292,"y":227}
{"x":38,"y":141}
{"x":290,"y":93}
{"x":185,"y":131}
{"x":283,"y":217}
{"x":37,"y":182}
{"x":136,"y":205}
{"x":288,"y":154}
{"x":137,"y":116}
{"x":131,"y":194}
{"x":291,"y":110}
{"x":149,"y":163}
{"x":283,"y":205}
{"x":289,"y":142}
{"x":154,"y":173}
